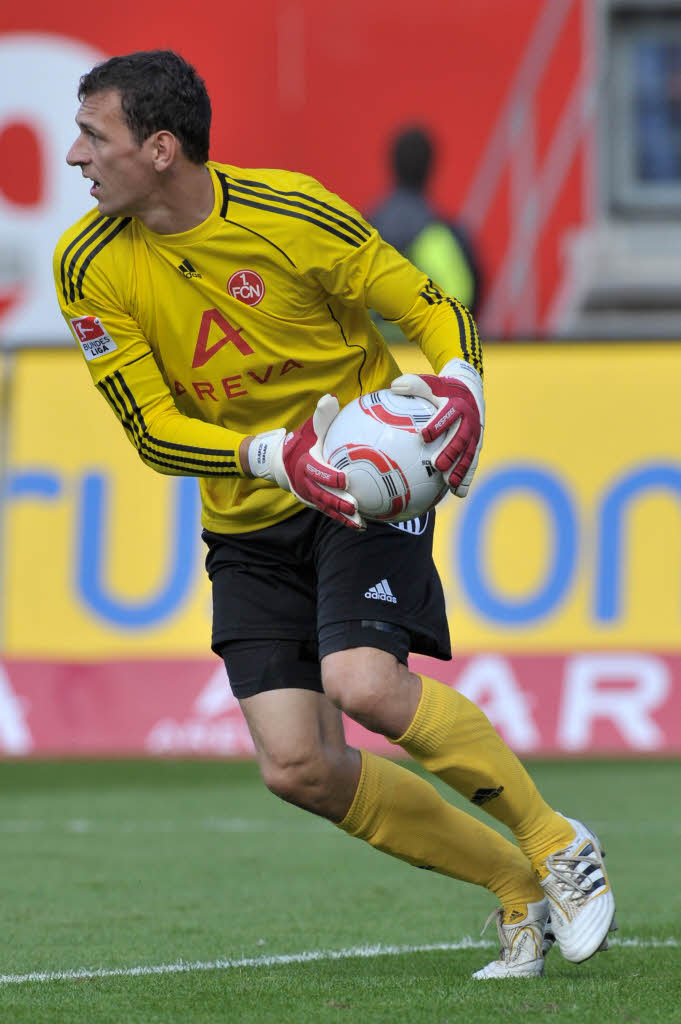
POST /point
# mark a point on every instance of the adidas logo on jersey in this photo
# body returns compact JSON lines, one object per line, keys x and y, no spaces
{"x":381,"y":592}
{"x":187,"y":269}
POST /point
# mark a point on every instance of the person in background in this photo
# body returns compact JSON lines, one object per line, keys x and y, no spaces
{"x":407,"y":220}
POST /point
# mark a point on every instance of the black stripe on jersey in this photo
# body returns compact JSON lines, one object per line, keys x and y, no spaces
{"x":362,"y":229}
{"x":299,"y":216}
{"x":96,"y":251}
{"x":223,"y":213}
{"x":476,"y":348}
{"x":101,"y":224}
{"x":102,"y":386}
{"x":431,"y":294}
{"x":69,"y":247}
{"x":434,"y":296}
{"x":350,"y":344}
{"x":222,"y":178}
{"x":346,"y":223}
{"x":133,"y":420}
{"x":476,"y":351}
{"x":462,"y":327}
{"x":143,"y":448}
{"x":139,"y":439}
{"x":139,"y":416}
{"x":102,"y":227}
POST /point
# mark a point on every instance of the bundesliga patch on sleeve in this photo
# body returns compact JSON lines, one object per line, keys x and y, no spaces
{"x":92,"y":337}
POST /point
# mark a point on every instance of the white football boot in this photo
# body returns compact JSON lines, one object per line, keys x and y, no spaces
{"x":521,"y":941}
{"x":582,"y":906}
{"x":550,"y":938}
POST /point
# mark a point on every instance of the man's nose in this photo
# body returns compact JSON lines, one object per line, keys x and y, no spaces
{"x":76,"y":154}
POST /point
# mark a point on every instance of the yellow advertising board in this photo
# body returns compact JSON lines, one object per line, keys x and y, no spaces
{"x":569,"y":539}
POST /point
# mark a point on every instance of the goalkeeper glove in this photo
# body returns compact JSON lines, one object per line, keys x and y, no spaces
{"x":459,"y":419}
{"x":295,"y":462}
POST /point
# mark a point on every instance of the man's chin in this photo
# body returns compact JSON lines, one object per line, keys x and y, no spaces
{"x":110,"y":209}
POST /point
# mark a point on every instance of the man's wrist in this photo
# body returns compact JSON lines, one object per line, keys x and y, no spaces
{"x":244,"y":460}
{"x":461,"y":370}
{"x":263,"y":453}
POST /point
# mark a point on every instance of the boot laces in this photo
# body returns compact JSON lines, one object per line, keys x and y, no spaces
{"x":498,"y":916}
{"x":573,"y":884}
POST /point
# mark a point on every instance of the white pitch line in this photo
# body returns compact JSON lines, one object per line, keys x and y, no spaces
{"x":89,"y":826}
{"x":183,"y":967}
{"x":160,"y":826}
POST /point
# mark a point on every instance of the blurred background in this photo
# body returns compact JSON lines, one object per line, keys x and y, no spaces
{"x":555,"y":136}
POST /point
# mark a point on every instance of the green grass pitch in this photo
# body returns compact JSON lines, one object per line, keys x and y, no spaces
{"x":119,"y":868}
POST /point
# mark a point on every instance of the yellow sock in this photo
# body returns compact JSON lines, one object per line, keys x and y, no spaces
{"x":452,"y":738}
{"x":396,"y":811}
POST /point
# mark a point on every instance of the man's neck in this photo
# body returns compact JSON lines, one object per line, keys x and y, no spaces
{"x":187,"y":200}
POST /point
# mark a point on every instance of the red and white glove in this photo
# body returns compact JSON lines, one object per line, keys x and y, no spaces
{"x":459,"y":420}
{"x":295,"y":462}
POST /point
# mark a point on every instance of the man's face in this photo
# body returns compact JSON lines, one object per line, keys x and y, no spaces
{"x":122,"y":172}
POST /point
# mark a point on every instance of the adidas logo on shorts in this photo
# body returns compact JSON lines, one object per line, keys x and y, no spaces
{"x":381,"y":592}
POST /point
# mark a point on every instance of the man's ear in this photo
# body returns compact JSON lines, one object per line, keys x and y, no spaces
{"x":164,"y":149}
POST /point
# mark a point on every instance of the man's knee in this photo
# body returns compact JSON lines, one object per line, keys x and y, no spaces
{"x":306,"y":781}
{"x":365,"y":683}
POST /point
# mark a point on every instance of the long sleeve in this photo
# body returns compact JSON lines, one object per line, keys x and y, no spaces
{"x":165,"y":439}
{"x":123,"y":366}
{"x":377,"y":276}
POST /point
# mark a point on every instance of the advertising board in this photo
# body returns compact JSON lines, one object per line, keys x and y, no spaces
{"x":561,"y":569}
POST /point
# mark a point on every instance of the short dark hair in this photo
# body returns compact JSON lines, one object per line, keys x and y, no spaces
{"x":159,"y":91}
{"x":412,"y":154}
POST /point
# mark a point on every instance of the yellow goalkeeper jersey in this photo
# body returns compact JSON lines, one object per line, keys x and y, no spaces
{"x":241,"y":324}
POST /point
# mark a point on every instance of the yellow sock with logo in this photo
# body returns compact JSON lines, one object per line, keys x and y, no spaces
{"x":452,"y":738}
{"x":398,"y":812}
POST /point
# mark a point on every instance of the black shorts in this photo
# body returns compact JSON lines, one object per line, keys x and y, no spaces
{"x":286,"y":596}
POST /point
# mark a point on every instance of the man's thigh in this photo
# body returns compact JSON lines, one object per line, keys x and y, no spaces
{"x":293,"y":726}
{"x":301,"y":750}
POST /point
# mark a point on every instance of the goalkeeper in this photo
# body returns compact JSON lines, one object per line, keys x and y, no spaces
{"x":218,"y":310}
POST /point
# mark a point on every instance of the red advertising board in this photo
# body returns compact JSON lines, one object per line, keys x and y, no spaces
{"x":322,"y":88}
{"x":614,"y":702}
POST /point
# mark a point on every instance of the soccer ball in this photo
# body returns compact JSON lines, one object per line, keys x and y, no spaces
{"x":375,"y":440}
